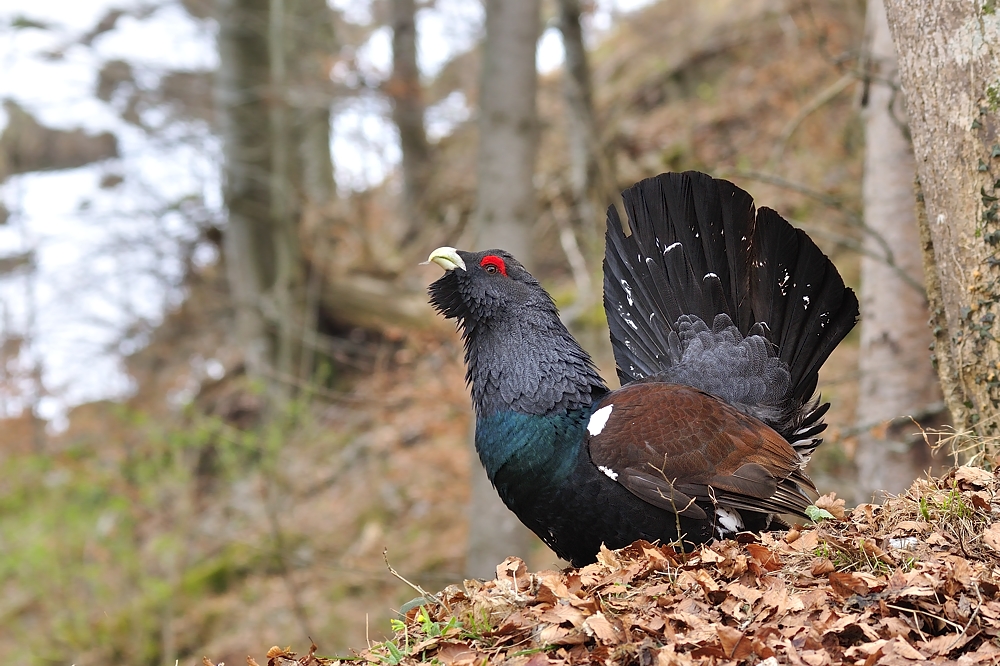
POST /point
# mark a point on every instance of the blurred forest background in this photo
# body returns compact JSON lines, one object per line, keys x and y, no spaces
{"x":222,"y":390}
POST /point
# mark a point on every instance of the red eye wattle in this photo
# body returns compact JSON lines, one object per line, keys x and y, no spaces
{"x":494,"y":264}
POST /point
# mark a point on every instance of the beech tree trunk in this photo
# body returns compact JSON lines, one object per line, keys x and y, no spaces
{"x":505,"y":213}
{"x":508,"y":128}
{"x":407,"y":96}
{"x":584,"y":153}
{"x":251,"y":257}
{"x":274,"y":97}
{"x":949,"y":60}
{"x":897,"y":378}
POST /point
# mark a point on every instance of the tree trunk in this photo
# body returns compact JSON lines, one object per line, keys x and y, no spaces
{"x":407,"y":96}
{"x":505,"y":213}
{"x":251,"y":258}
{"x":897,"y":377}
{"x":949,"y":56}
{"x":508,"y":128}
{"x":283,"y":299}
{"x":311,"y":40}
{"x":579,"y":111}
{"x":590,"y":171}
{"x":274,"y":96}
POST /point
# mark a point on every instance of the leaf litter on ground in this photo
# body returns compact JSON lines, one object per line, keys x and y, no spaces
{"x":916,"y":579}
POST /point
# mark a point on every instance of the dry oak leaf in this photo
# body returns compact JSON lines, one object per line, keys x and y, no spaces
{"x":846,"y":584}
{"x":815,"y":657}
{"x":911,"y":526}
{"x":562,"y":614}
{"x":599,"y":625}
{"x":821,"y":566}
{"x":551,"y":587}
{"x":897,"y":647}
{"x":809,"y":541}
{"x":764,"y":556}
{"x":972,"y":477}
{"x":512,"y":572}
{"x":938,"y":539}
{"x":832,"y":504}
{"x":991,"y":536}
{"x":942,"y":645}
{"x":747,"y":594}
{"x":734,"y":644}
{"x":458,"y":654}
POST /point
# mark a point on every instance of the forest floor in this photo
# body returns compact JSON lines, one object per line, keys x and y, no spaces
{"x":915,"y":580}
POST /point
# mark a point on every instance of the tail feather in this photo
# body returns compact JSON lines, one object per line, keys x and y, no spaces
{"x":698,"y":247}
{"x":807,"y":305}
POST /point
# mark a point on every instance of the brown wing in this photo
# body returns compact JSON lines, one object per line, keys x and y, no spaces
{"x":671,"y":445}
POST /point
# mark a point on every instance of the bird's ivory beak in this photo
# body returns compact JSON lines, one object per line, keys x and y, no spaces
{"x":447,"y":258}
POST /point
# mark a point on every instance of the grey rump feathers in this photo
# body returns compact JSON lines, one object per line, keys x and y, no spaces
{"x":743,"y":371}
{"x":518,"y":354}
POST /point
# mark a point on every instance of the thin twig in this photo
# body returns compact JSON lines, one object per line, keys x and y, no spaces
{"x":923,"y":612}
{"x":421,"y":591}
{"x":968,"y":624}
{"x":826,"y":95}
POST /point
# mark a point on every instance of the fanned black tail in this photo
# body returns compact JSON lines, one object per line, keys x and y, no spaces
{"x":709,"y":292}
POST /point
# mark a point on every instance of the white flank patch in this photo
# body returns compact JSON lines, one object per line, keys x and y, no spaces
{"x":598,"y":420}
{"x":729,"y":521}
{"x":612,"y":474}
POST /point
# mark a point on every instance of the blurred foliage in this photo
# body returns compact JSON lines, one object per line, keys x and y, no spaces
{"x":99,"y":552}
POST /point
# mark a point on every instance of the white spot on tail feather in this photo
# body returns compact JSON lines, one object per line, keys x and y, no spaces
{"x":611,"y":474}
{"x":671,"y":246}
{"x":628,"y":291}
{"x":598,"y":420}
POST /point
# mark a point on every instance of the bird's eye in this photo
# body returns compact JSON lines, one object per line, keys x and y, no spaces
{"x":494,"y":264}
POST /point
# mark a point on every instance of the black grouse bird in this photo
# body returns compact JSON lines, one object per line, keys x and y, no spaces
{"x":720,"y":315}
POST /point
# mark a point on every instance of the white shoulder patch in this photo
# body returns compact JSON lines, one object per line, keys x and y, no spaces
{"x":598,"y":420}
{"x":610,"y":473}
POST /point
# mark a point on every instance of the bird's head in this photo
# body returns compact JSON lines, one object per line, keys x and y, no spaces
{"x":481,"y":286}
{"x":518,"y":354}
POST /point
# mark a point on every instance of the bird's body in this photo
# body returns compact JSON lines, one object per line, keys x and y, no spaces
{"x":720,"y":318}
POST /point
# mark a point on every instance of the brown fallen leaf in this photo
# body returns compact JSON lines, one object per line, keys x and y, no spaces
{"x":458,"y":654}
{"x":602,"y":628}
{"x":562,"y":614}
{"x":815,"y":657}
{"x":550,"y":587}
{"x":846,"y":584}
{"x":967,"y":477}
{"x":900,"y":648}
{"x":764,"y":556}
{"x":735,"y":645}
{"x":991,"y":536}
{"x":821,"y":566}
{"x":832,"y":504}
{"x":513,"y":573}
{"x":938,"y":539}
